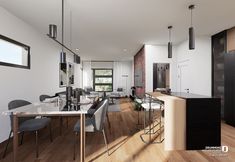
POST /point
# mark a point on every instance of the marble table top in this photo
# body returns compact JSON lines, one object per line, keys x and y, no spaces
{"x":46,"y":109}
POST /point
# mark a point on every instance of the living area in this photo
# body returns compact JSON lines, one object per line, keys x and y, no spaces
{"x":117,"y":81}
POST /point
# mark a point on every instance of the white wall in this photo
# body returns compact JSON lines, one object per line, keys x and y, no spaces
{"x":199,"y":64}
{"x":158,"y":54}
{"x":28,"y":84}
{"x":120,"y":68}
{"x":123,"y":76}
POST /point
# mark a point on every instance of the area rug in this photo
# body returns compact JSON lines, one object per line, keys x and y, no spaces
{"x":114,"y":107}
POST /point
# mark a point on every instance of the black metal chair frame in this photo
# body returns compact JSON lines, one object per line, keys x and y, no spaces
{"x":153,"y":122}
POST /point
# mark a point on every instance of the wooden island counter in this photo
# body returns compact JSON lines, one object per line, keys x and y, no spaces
{"x":192,"y":122}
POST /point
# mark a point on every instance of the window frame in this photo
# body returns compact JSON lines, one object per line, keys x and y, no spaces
{"x":102,"y":76}
{"x":19,"y":44}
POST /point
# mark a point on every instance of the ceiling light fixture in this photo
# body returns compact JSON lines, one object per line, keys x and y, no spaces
{"x":169,"y":43}
{"x":53,"y":31}
{"x":53,"y":34}
{"x":191,"y":30}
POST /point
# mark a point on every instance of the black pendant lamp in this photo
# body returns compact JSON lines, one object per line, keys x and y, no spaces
{"x":53,"y":31}
{"x":191,"y":30}
{"x":53,"y":34}
{"x":169,"y":43}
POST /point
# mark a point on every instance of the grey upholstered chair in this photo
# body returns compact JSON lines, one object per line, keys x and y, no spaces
{"x":27,"y":124}
{"x":95,"y":123}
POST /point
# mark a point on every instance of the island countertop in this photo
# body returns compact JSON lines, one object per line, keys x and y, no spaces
{"x":186,"y":95}
{"x":182,"y":95}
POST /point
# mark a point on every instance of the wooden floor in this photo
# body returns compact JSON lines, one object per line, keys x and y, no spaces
{"x":124,"y":143}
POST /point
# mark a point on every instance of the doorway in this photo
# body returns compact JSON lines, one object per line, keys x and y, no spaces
{"x":161,"y":75}
{"x":183,"y":76}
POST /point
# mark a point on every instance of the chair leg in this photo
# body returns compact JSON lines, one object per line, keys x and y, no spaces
{"x":74,"y":146}
{"x":108,"y":120}
{"x":138,"y":117}
{"x":22,"y":137}
{"x":50,"y":132}
{"x":106,"y":142}
{"x":61,"y":124}
{"x":8,"y":141}
{"x":67,"y":121}
{"x":36,"y":140}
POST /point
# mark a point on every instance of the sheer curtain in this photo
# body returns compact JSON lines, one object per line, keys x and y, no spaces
{"x":87,"y":74}
{"x":123,"y":76}
{"x":117,"y":80}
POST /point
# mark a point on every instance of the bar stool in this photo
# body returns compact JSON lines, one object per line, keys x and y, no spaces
{"x":152,"y":106}
{"x":138,"y":103}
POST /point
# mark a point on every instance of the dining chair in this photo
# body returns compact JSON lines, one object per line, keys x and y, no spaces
{"x":44,"y":97}
{"x":27,"y":124}
{"x":94,"y":124}
{"x":96,"y":104}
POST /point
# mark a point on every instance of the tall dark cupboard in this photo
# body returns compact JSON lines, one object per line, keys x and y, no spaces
{"x":219,"y":44}
{"x":223,"y":72}
{"x":229,"y":91}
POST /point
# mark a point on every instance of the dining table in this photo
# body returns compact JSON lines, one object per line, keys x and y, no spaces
{"x":49,"y":109}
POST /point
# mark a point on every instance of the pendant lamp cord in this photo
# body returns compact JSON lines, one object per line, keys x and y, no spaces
{"x":71,"y":29}
{"x":62,"y":25}
{"x":191,"y":17}
{"x":170,"y":35}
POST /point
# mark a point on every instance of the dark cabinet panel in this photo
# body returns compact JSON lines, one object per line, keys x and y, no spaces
{"x":200,"y":137}
{"x":219,"y":48}
{"x":203,"y":126}
{"x":230,"y":88}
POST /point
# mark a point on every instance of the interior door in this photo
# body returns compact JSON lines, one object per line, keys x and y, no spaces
{"x":183,"y":79}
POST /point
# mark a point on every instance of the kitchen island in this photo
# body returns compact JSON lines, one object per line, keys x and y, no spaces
{"x":192,"y":122}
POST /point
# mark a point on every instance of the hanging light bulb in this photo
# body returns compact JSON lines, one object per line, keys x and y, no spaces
{"x":191,"y":30}
{"x":169,"y":43}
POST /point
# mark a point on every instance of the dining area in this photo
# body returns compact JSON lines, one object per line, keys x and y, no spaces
{"x":33,"y":117}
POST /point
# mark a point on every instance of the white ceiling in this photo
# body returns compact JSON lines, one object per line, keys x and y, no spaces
{"x":102,"y":29}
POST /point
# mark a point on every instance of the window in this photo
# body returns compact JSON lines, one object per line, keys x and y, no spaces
{"x":13,"y":53}
{"x":103,"y":80}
